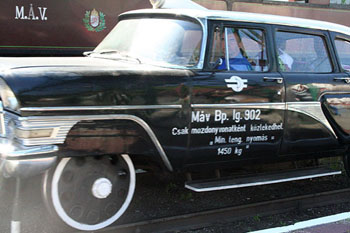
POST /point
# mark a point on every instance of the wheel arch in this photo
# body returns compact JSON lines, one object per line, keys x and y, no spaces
{"x":115,"y":134}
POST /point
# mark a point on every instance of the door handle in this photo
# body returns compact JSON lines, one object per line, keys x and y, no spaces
{"x":279,"y":80}
{"x":345,"y":79}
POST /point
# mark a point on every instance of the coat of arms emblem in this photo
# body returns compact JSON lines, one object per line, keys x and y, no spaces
{"x":94,"y":21}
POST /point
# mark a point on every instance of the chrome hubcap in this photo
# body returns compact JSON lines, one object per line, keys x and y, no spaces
{"x":102,"y":188}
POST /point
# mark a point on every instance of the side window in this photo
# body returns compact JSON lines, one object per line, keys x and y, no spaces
{"x":239,"y":49}
{"x":299,"y":52}
{"x":343,"y":50}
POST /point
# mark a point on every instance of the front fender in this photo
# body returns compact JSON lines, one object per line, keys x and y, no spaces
{"x":130,"y":135}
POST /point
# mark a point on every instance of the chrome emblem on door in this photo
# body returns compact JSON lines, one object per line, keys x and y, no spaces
{"x":236,"y":83}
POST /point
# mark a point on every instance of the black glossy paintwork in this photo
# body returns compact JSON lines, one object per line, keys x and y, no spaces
{"x":101,"y":82}
{"x":96,"y":82}
{"x":303,"y":133}
{"x":337,"y":107}
{"x":212,"y":89}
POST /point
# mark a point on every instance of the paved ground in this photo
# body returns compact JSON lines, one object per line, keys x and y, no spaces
{"x":31,"y":212}
{"x":337,"y":227}
{"x":338,"y":223}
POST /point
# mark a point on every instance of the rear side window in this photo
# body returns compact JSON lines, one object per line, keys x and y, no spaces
{"x":239,"y":49}
{"x":299,"y":52}
{"x":343,"y":50}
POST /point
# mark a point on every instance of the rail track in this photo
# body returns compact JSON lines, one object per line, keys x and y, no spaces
{"x":211,"y":217}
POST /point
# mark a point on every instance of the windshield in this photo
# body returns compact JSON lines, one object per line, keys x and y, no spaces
{"x":166,"y":42}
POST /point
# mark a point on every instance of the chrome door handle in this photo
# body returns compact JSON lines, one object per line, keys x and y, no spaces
{"x":273,"y":79}
{"x":345,"y":79}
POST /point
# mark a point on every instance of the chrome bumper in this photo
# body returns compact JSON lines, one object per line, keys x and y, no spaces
{"x":21,"y":161}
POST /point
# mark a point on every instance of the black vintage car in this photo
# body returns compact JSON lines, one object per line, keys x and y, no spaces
{"x":176,"y":90}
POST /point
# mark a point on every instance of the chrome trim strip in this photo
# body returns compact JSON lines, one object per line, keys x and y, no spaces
{"x":26,"y":167}
{"x":313,"y":110}
{"x":60,"y":129}
{"x":236,"y":16}
{"x":204,"y":24}
{"x":200,"y":63}
{"x":277,"y":106}
{"x":274,"y":21}
{"x":261,"y":183}
{"x":88,"y":108}
{"x":226,"y":50}
{"x":65,"y":123}
{"x":37,"y":150}
{"x":62,"y":124}
{"x":10,"y":150}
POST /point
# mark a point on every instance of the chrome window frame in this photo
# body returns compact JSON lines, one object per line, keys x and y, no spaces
{"x":202,"y":21}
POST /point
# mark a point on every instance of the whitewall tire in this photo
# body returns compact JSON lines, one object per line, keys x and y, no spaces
{"x":90,"y":194}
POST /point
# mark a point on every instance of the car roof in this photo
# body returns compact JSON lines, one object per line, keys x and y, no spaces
{"x":248,"y":17}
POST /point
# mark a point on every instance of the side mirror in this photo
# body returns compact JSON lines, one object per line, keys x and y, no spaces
{"x":217,"y":63}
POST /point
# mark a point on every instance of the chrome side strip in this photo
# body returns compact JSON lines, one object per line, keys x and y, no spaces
{"x":88,"y":108}
{"x":261,"y":182}
{"x":277,"y":106}
{"x":65,"y":123}
{"x":313,"y":110}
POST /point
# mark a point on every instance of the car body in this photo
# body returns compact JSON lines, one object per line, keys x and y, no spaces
{"x":157,"y":93}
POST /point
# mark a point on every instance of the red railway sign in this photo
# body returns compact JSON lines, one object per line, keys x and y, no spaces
{"x":58,"y":27}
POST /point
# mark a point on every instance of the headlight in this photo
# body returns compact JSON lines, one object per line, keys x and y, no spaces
{"x":14,"y":131}
{"x":8,"y":98}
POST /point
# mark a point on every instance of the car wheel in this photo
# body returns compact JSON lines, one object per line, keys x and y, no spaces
{"x":90,"y":193}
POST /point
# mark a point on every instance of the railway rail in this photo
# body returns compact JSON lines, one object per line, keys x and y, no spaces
{"x":211,"y":217}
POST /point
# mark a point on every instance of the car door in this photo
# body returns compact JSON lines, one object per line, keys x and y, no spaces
{"x":237,"y":106}
{"x":338,"y":103}
{"x":310,"y":73}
